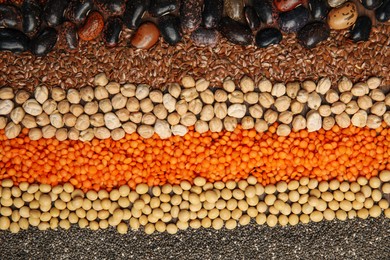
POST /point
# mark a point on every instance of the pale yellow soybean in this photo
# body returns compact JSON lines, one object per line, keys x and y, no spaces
{"x":363,"y":213}
{"x":231,"y":224}
{"x":272,"y":220}
{"x":316,"y":216}
{"x":375,"y":211}
{"x":195,"y":224}
{"x":383,"y":204}
{"x":283,"y":220}
{"x":376,"y":195}
{"x":217,"y":223}
{"x":374,"y":182}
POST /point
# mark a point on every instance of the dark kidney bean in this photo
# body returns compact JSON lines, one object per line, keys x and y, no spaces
{"x":169,"y":26}
{"x":266,"y":11}
{"x":313,"y":33}
{"x":361,"y":29}
{"x":133,"y":13}
{"x":111,"y":7}
{"x":68,"y":34}
{"x":31,"y":12}
{"x":251,"y":17}
{"x":267,"y":37}
{"x":162,"y":7}
{"x":10,"y":16}
{"x":382,"y":13}
{"x":235,"y":32}
{"x":294,"y":20}
{"x":205,"y":37}
{"x":78,"y":10}
{"x":54,"y":11}
{"x":190,"y":14}
{"x":319,"y":9}
{"x":212,"y":13}
{"x":112,"y":31}
{"x":287,"y":5}
{"x":371,"y":4}
{"x":13,"y":40}
{"x":44,"y":42}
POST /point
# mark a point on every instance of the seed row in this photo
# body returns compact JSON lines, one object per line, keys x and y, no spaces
{"x":170,"y":208}
{"x":111,"y":111}
{"x":343,"y":154}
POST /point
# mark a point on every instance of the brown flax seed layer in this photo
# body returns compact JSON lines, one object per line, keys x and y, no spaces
{"x":289,"y":61}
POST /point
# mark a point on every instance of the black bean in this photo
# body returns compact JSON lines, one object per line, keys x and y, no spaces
{"x":111,"y":7}
{"x":371,"y":4}
{"x":13,"y":40}
{"x":169,"y":26}
{"x":268,"y":36}
{"x":382,"y":13}
{"x":44,"y":42}
{"x":134,"y":11}
{"x":190,"y":14}
{"x":162,"y":7}
{"x":112,"y":31}
{"x":313,"y":33}
{"x":266,"y":12}
{"x":69,"y":33}
{"x":53,"y":12}
{"x":235,"y":32}
{"x":31,"y":12}
{"x":205,"y":37}
{"x":361,"y":29}
{"x":251,"y":17}
{"x":319,"y":9}
{"x":294,"y":20}
{"x":212,"y":13}
{"x":10,"y":16}
{"x":78,"y":10}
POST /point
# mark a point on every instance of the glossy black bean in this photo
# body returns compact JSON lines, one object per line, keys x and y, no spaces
{"x":382,"y":13}
{"x":361,"y":29}
{"x":267,"y":37}
{"x":78,"y":10}
{"x":112,"y":31}
{"x":212,"y":13}
{"x":265,"y":11}
{"x":235,"y":32}
{"x":162,"y":7}
{"x":10,"y":16}
{"x":54,"y":10}
{"x":313,"y":33}
{"x":31,"y":12}
{"x":134,"y":11}
{"x":68,"y":33}
{"x":13,"y":40}
{"x":169,"y":26}
{"x":371,"y":4}
{"x":205,"y":37}
{"x":44,"y":42}
{"x":294,"y":20}
{"x":111,"y":7}
{"x":319,"y":9}
{"x":190,"y":14}
{"x":251,"y":17}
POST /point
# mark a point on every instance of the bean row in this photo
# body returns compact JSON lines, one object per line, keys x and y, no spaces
{"x":170,"y":208}
{"x":37,"y":27}
{"x":111,"y":111}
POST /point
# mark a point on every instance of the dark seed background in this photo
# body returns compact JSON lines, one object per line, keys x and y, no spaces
{"x":351,"y":239}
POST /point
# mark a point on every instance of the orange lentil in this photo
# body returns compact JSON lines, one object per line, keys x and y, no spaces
{"x":343,"y":154}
